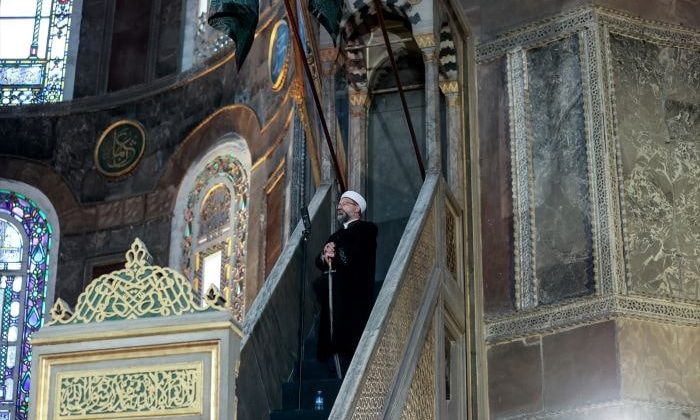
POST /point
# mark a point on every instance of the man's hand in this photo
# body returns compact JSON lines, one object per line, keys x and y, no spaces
{"x":329,"y":252}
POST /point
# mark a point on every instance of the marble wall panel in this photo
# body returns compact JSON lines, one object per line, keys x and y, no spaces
{"x":496,"y":194}
{"x":561,"y":203}
{"x":659,"y":362}
{"x":657,"y":99}
{"x":628,"y":411}
{"x":515,"y":378}
{"x":580,"y":367}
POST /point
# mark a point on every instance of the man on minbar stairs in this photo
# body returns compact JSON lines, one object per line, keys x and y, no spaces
{"x":345,"y":290}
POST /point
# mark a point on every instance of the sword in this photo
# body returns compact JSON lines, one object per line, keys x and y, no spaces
{"x":336,"y":360}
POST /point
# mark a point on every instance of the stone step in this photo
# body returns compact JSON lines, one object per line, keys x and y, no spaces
{"x":300,"y":414}
{"x":328,"y":387}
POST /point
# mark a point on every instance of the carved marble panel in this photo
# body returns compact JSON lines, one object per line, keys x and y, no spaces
{"x":657,"y":105}
{"x":560,"y":197}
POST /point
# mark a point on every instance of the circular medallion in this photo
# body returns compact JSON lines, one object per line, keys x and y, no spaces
{"x":120,"y":148}
{"x":278,"y":54}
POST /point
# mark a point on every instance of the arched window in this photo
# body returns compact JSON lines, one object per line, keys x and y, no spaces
{"x":25,"y":246}
{"x":210,"y":224}
{"x":33,"y":50}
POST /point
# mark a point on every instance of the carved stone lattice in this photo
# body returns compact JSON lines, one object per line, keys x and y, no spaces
{"x":451,"y":246}
{"x":115,"y":393}
{"x":140,"y":290}
{"x":385,"y":360}
{"x":420,"y":404}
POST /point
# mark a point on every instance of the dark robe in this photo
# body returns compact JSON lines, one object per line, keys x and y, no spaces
{"x":353,"y":286}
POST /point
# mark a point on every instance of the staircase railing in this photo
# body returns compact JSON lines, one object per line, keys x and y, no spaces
{"x":270,"y":331}
{"x":392,"y":374}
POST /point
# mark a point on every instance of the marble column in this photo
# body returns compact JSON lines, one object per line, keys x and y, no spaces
{"x":426,"y":42}
{"x":455,"y":177}
{"x":328,"y":82}
{"x":357,"y":155}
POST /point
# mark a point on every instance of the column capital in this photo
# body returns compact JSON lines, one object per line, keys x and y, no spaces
{"x":449,"y":87}
{"x":358,"y":98}
{"x":425,"y":40}
{"x":328,"y":54}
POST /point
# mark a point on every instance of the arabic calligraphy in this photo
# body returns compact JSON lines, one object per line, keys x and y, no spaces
{"x":120,"y":148}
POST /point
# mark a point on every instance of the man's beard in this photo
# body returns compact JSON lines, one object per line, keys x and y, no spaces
{"x":342,"y":216}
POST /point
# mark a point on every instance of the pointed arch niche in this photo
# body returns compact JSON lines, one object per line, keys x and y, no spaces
{"x":210,"y":221}
{"x":28,"y":254}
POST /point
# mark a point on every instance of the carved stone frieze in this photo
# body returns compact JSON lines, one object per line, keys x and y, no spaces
{"x":580,"y":19}
{"x":589,"y":310}
{"x":525,"y":293}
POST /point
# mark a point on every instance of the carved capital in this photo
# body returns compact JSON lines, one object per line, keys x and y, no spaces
{"x":358,"y":99}
{"x":449,"y":87}
{"x":425,"y":40}
{"x":328,"y":54}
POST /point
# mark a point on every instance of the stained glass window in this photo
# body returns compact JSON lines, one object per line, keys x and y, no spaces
{"x":25,"y":241}
{"x":216,"y":221}
{"x":33,"y":47}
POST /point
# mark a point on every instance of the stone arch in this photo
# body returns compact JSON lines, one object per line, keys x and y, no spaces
{"x":447,"y":54}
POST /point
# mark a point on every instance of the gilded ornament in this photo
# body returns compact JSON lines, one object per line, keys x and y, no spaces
{"x":358,"y":99}
{"x":425,"y":40}
{"x":162,"y":390}
{"x":140,"y":290}
{"x":120,"y":148}
{"x":449,"y":86}
{"x":278,"y":54}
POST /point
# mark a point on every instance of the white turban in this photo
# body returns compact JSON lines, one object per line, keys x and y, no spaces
{"x":357,"y":198}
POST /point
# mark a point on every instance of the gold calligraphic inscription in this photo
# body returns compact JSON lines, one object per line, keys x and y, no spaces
{"x":150,"y":359}
{"x":162,"y":391}
{"x":140,"y":290}
{"x":120,"y":148}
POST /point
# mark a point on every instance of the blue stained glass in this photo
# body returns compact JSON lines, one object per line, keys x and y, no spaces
{"x":39,"y":254}
{"x":30,"y":319}
{"x":26,"y":382}
{"x":33,"y":319}
{"x":31,"y":74}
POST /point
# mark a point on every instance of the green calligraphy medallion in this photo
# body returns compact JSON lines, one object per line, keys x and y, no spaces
{"x":120,"y":148}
